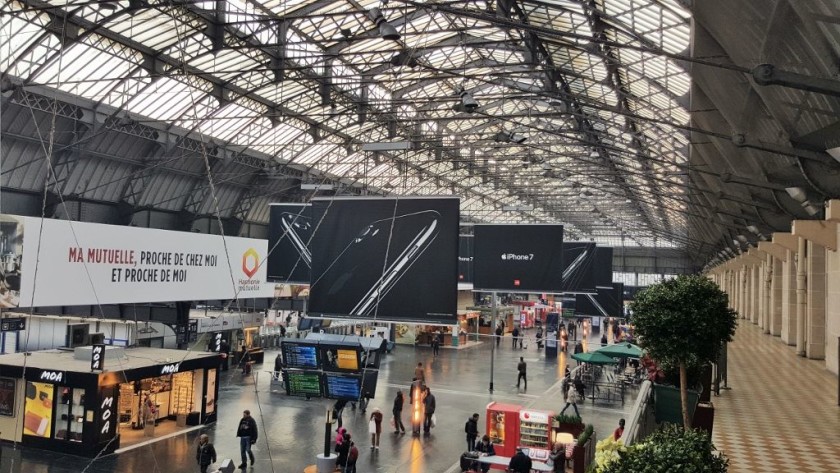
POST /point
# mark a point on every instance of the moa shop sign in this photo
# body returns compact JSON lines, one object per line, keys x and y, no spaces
{"x":89,"y":263}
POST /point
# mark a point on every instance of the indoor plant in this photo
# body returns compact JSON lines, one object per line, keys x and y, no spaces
{"x":571,"y":424}
{"x":683,"y":322}
{"x":667,"y":451}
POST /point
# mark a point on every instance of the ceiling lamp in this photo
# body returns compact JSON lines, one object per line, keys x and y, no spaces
{"x":797,"y":193}
{"x":467,"y":100}
{"x":386,"y":30}
{"x":504,"y":137}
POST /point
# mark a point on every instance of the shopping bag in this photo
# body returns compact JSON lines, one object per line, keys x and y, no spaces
{"x":434,"y":420}
{"x":393,"y":423}
{"x":372,"y":426}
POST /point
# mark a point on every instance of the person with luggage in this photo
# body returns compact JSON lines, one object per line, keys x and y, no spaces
{"x":375,"y":427}
{"x":205,"y":453}
{"x":471,"y":429}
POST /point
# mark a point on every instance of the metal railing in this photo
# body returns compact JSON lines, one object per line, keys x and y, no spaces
{"x":642,"y":420}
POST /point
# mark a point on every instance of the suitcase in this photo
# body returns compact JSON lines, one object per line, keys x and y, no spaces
{"x":467,"y":460}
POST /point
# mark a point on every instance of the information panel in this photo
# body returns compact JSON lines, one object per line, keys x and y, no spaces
{"x":342,"y":386}
{"x":302,"y":383}
{"x":303,"y":356}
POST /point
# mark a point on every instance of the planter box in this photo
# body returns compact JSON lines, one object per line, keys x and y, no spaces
{"x":574,"y":429}
{"x":704,"y":417}
{"x":583,"y":455}
{"x":667,"y":405}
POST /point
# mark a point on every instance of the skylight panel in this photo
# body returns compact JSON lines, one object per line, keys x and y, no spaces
{"x":165,"y":99}
{"x":18,"y":32}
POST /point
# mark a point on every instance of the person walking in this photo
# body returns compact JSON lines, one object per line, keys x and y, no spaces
{"x":436,"y":345}
{"x":338,"y":410}
{"x":515,"y":336}
{"x":375,"y":425}
{"x":397,"y":411}
{"x":498,"y":335}
{"x":343,"y":451}
{"x":352,"y":457}
{"x":247,"y":433}
{"x":471,"y":429}
{"x":205,"y":454}
{"x":429,"y":408}
{"x":571,"y":399}
{"x":522,"y":368}
{"x":420,"y":374}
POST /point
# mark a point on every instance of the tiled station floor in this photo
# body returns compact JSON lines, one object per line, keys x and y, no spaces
{"x":292,"y":430}
{"x":781,"y":413}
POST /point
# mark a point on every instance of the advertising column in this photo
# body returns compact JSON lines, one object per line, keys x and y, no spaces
{"x":106,"y":417}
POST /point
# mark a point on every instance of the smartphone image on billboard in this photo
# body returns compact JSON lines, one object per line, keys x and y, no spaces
{"x":293,"y":226}
{"x":355,"y":279}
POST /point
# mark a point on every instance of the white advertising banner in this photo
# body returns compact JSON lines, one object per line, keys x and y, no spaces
{"x":89,"y":263}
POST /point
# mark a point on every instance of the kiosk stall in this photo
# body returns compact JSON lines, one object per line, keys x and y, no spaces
{"x":62,"y":403}
{"x":510,"y":426}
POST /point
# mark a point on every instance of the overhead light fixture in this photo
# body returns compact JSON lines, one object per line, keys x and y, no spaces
{"x":797,"y":193}
{"x":386,"y":30}
{"x":316,"y":187}
{"x":810,"y":208}
{"x":467,"y":100}
{"x":504,"y":137}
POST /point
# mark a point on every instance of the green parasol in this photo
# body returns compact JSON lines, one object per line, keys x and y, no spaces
{"x":621,"y":350}
{"x":595,"y":358}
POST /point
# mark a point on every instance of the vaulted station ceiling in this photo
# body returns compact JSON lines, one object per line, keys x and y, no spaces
{"x":580,"y":112}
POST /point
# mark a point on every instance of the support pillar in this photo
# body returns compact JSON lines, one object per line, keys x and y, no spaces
{"x":789,"y":299}
{"x":801,"y":262}
{"x":768,"y":277}
{"x":815,"y":295}
{"x":775,"y":314}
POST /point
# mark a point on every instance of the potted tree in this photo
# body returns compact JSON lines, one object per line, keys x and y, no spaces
{"x":683,"y":323}
{"x":570,"y":424}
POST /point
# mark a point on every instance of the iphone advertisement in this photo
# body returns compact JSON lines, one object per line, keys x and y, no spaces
{"x":384,"y":258}
{"x":518,"y":258}
{"x":578,"y":267}
{"x":289,"y":230}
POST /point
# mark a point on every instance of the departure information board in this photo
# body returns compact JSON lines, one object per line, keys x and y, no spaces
{"x":297,"y":355}
{"x":342,"y":386}
{"x":302,"y":383}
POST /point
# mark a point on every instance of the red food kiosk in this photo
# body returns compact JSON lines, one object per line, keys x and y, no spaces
{"x":510,"y":426}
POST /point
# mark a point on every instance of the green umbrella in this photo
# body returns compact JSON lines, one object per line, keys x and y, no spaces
{"x":595,"y":358}
{"x":621,"y":350}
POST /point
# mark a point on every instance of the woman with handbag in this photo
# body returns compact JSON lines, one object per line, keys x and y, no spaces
{"x":571,"y":399}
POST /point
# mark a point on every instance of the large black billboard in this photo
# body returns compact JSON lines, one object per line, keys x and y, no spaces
{"x":289,"y":230}
{"x":392,"y":259}
{"x":608,"y":302}
{"x":518,"y":258}
{"x":603,"y":267}
{"x":465,"y":259}
{"x":578,"y":267}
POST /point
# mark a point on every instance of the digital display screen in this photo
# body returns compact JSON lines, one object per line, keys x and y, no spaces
{"x":302,"y":383}
{"x":300,"y":356}
{"x":518,"y":258}
{"x":342,"y":386}
{"x":340,"y":359}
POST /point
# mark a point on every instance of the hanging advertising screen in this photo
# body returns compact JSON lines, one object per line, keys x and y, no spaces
{"x":342,"y":386}
{"x":302,"y":383}
{"x":340,"y":358}
{"x":289,"y":231}
{"x":389,"y":259}
{"x":465,"y":262}
{"x":578,"y":267}
{"x":603,"y":267}
{"x":300,"y":355}
{"x":608,"y":302}
{"x":518,"y":258}
{"x":91,"y":263}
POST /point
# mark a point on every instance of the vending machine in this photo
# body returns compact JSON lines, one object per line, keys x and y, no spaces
{"x":535,"y":428}
{"x":503,"y":427}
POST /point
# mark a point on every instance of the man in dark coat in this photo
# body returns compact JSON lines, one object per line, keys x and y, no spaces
{"x":247,"y":433}
{"x":520,"y":463}
{"x":471,"y":429}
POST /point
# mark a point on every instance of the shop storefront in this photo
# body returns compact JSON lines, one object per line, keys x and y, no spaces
{"x":54,"y":400}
